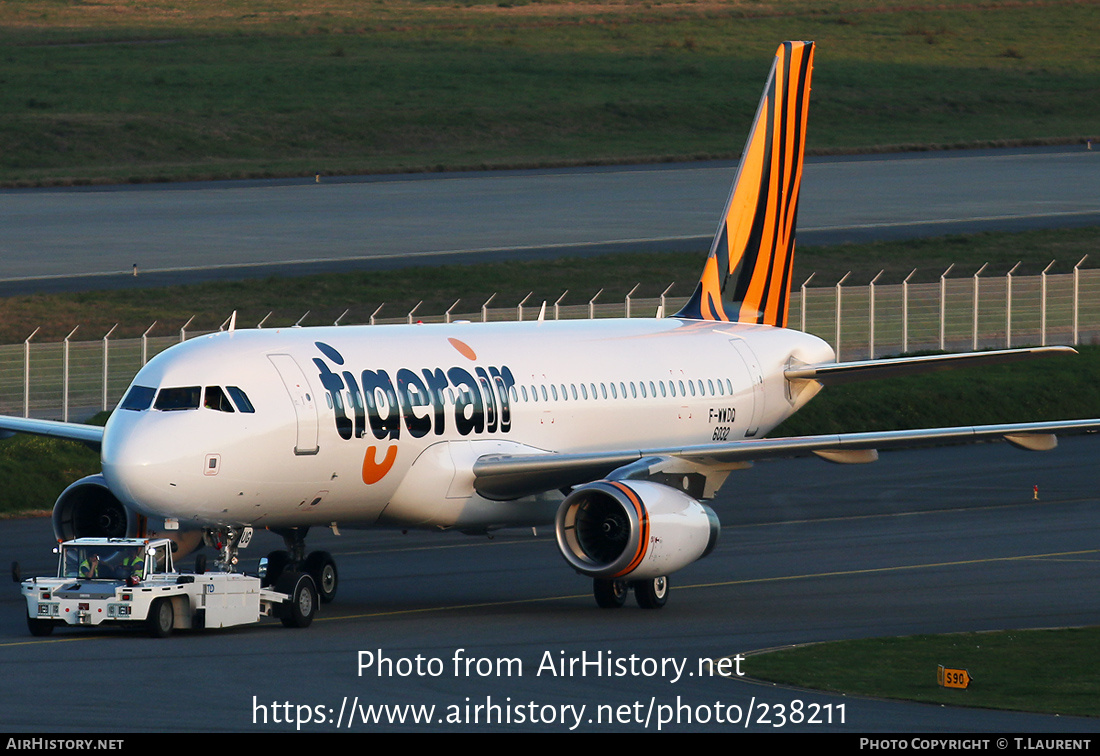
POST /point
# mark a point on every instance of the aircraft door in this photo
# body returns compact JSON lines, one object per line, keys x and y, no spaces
{"x":301,"y":396}
{"x":756,"y":377}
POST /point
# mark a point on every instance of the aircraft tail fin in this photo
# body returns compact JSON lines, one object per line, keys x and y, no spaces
{"x":747,"y":277}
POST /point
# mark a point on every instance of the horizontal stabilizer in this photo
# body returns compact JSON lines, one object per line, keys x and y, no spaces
{"x":835,"y":373}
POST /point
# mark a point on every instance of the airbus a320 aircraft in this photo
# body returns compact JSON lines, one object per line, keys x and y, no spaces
{"x":613,"y":430}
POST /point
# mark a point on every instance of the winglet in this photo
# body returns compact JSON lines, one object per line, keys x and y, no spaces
{"x":747,"y":274}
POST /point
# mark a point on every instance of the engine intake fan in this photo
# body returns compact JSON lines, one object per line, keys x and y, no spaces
{"x":634,"y":529}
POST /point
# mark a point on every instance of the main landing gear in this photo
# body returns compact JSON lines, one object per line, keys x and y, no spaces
{"x":318,"y":564}
{"x":651,"y":593}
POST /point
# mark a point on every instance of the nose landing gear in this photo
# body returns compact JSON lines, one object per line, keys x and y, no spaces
{"x":319,"y":565}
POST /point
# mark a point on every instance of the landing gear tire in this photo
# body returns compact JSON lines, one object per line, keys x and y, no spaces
{"x":39,"y":628}
{"x":301,"y":607}
{"x":161,"y":619}
{"x":610,"y":594}
{"x":277,"y":562}
{"x":322,"y":568}
{"x":652,"y":594}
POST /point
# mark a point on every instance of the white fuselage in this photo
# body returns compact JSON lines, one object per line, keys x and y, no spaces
{"x":382,"y":424}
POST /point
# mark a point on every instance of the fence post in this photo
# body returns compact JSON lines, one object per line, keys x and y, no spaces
{"x":27,"y":373}
{"x":107,"y":336}
{"x":261,"y":323}
{"x":449,"y":309}
{"x":1076,"y":294}
{"x":1008,"y":306}
{"x":337,"y":321}
{"x":664,"y":311}
{"x":592,"y":305}
{"x":519,"y":307}
{"x":943,"y":305}
{"x":976,"y":274}
{"x":145,"y":344}
{"x":485,"y":308}
{"x":409,"y":317}
{"x":628,"y":298}
{"x":1043,"y":306}
{"x":905,"y":312}
{"x":183,"y":328}
{"x":377,"y":310}
{"x":802,"y":304}
{"x":871,"y":325}
{"x":65,"y":378}
{"x":838,"y":283}
{"x":557,"y":304}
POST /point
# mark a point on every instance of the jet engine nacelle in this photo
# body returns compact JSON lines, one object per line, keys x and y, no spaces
{"x":88,"y":508}
{"x":633,"y":529}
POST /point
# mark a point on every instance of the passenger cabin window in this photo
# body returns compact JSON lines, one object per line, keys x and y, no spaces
{"x":138,"y":398}
{"x":185,"y":398}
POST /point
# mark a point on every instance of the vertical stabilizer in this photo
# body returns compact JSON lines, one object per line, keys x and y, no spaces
{"x":747,"y":277}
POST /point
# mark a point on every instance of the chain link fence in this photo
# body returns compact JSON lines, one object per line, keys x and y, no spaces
{"x":71,"y":380}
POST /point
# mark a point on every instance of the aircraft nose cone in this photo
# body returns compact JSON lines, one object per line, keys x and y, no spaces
{"x":135,"y":465}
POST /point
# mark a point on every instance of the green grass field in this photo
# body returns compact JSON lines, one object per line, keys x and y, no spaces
{"x":440,"y":285}
{"x":96,"y":91}
{"x":1050,"y":671}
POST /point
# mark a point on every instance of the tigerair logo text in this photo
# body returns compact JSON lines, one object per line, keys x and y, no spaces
{"x":415,"y":400}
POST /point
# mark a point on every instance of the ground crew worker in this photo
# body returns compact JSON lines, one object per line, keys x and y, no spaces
{"x":89,"y":567}
{"x":133,"y":564}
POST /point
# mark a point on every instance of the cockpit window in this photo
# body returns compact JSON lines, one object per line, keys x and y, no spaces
{"x":240,"y":399}
{"x":179,"y":398}
{"x":138,"y":398}
{"x":217,"y":400}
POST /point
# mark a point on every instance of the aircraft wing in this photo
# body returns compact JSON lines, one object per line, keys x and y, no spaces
{"x":92,"y":435}
{"x":834,"y":373}
{"x":502,"y":476}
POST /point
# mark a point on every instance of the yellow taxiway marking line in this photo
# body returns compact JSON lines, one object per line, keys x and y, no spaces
{"x":694,"y":586}
{"x":748,"y":581}
{"x":899,"y":568}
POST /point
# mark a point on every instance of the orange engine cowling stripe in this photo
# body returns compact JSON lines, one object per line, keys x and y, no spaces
{"x":643,"y":522}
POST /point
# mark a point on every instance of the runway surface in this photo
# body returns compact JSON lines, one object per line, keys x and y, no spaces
{"x":930,"y":541}
{"x":92,"y":238}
